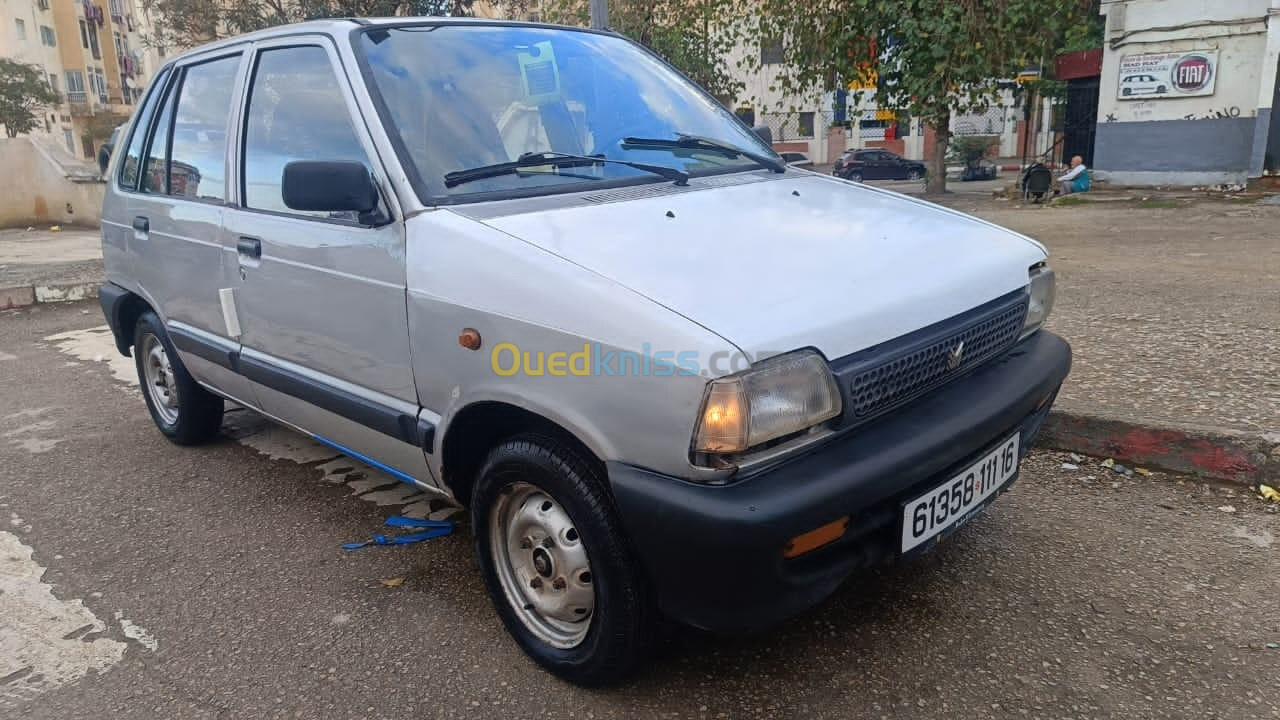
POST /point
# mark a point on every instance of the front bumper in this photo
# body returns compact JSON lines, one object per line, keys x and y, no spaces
{"x":714,"y":553}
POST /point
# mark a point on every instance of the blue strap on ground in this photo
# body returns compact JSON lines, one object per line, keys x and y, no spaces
{"x":435,"y":529}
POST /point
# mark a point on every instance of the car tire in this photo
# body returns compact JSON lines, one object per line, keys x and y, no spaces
{"x":1126,"y":91}
{"x":914,"y":174}
{"x":1160,"y":90}
{"x":552,"y":549}
{"x":854,"y":175}
{"x":184,"y":411}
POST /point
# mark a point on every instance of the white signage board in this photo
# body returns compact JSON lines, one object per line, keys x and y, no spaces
{"x":1168,"y":75}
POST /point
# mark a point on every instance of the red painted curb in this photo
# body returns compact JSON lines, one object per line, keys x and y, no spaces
{"x":16,"y":297}
{"x":1227,"y":455}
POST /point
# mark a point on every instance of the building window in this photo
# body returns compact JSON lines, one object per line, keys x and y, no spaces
{"x":805,"y":124}
{"x":47,"y":37}
{"x":88,"y":39}
{"x":116,"y":7}
{"x":53,"y":82}
{"x":771,"y":52}
{"x":20,"y":28}
{"x":98,"y":83}
{"x":75,"y":86}
{"x":69,"y":140}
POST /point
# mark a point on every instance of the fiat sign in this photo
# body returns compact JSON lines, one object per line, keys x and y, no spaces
{"x":1192,"y":73}
{"x":1167,"y":75}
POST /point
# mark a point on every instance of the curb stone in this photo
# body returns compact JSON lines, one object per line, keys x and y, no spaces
{"x":23,"y":295}
{"x":16,"y":297}
{"x":1221,"y":454}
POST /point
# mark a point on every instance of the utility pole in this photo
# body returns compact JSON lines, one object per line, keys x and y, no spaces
{"x":599,"y":14}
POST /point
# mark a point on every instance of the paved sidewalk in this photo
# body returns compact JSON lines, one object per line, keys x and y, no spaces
{"x":38,"y":265}
{"x":1173,"y":313}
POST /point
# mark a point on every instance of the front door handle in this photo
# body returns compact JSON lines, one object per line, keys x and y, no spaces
{"x":249,"y":247}
{"x":141,"y":224}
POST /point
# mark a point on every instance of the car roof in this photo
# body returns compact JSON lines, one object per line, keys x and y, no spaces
{"x":340,"y":27}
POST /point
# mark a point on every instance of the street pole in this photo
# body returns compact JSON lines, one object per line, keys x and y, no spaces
{"x":599,"y":14}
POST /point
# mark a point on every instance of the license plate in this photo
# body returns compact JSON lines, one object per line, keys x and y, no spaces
{"x":955,"y":501}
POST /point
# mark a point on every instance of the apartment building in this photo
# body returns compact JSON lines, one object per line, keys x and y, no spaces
{"x":95,"y":53}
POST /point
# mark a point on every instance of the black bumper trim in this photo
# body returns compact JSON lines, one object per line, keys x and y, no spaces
{"x":113,"y":300}
{"x":714,"y":552}
{"x":370,"y":413}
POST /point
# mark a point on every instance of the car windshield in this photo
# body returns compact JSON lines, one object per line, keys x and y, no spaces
{"x":462,"y":96}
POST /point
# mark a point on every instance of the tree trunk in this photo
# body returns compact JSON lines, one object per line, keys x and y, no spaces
{"x":937,"y":162}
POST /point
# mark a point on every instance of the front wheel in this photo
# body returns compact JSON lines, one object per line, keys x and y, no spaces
{"x":914,"y":174}
{"x":557,"y":564}
{"x":186,"y":413}
{"x":854,"y":176}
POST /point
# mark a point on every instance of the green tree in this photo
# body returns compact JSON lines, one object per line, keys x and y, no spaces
{"x":24,"y":92}
{"x":695,"y":36}
{"x":187,"y":23}
{"x":931,"y":58}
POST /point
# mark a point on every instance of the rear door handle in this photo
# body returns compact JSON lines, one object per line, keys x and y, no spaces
{"x":141,"y":224}
{"x":249,"y":246}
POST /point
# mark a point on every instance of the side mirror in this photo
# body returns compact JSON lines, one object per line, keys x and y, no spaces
{"x":328,"y":186}
{"x":765,"y":133}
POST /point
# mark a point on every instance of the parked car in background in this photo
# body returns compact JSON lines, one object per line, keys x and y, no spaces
{"x":875,"y":164}
{"x":537,"y":269}
{"x":106,"y":148}
{"x":797,"y":160}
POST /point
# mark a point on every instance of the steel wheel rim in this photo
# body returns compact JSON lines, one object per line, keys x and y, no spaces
{"x":157,"y":371}
{"x":542,"y":565}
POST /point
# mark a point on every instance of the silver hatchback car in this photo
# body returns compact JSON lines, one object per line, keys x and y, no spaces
{"x":537,"y":269}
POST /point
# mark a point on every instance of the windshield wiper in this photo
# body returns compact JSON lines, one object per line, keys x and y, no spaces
{"x":559,"y":160}
{"x":698,"y":142}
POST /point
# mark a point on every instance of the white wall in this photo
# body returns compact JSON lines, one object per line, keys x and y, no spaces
{"x":1240,"y":49}
{"x":45,"y":194}
{"x":1177,"y":139}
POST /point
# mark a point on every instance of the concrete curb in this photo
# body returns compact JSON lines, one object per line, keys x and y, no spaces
{"x":1220,"y":454}
{"x":23,"y":295}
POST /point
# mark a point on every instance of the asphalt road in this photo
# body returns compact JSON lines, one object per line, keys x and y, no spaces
{"x":210,"y":583}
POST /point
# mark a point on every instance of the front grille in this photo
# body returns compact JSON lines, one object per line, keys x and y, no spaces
{"x":882,"y":378}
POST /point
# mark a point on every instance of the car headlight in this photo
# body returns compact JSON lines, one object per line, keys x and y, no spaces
{"x":1042,"y":292}
{"x":775,"y":398}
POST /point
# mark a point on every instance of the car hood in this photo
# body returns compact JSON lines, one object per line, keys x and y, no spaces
{"x":773,"y":263}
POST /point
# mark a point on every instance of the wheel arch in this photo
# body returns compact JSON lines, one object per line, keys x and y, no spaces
{"x":476,"y":428}
{"x":122,"y":309}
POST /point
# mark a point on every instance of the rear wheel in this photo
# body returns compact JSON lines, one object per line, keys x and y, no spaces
{"x":184,"y":411}
{"x":556,"y":562}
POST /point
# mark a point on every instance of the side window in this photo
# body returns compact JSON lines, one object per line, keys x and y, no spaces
{"x":197,"y":167}
{"x":133,"y":155}
{"x":295,"y":112}
{"x":155,"y":172}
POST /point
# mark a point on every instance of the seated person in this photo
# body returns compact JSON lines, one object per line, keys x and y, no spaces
{"x":1075,"y":180}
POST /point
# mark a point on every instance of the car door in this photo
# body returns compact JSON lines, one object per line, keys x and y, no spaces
{"x":894,"y":168}
{"x":870,"y":162}
{"x":175,"y":205}
{"x":320,"y":297}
